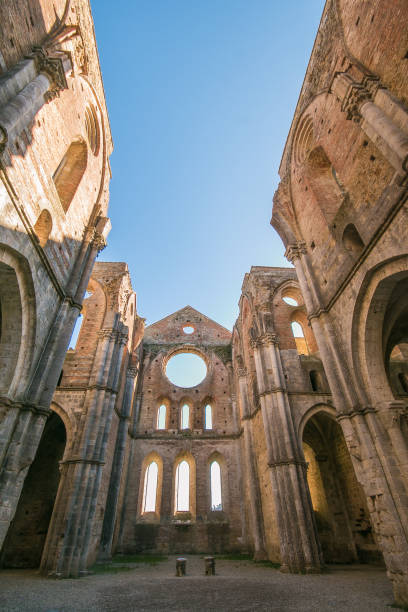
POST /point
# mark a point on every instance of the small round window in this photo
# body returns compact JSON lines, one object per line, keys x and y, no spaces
{"x":186,"y":370}
{"x":188,"y":329}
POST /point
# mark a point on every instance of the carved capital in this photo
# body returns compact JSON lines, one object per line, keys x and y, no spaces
{"x":106,"y":333}
{"x":242,"y":372}
{"x":123,"y":337}
{"x":53,"y":67}
{"x":295,"y":250}
{"x":352,"y":95}
{"x":132,"y":372}
{"x":98,"y":241}
{"x":268,"y":338}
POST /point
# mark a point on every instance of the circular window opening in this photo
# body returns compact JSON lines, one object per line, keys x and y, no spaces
{"x":188,"y":329}
{"x":289,"y":300}
{"x":186,"y":370}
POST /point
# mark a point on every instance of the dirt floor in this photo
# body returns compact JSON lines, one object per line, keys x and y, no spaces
{"x":237,"y":585}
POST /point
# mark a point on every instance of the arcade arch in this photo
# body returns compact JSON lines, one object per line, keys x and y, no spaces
{"x":338,"y":500}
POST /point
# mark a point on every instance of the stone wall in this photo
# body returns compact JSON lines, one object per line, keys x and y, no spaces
{"x":200,"y":529}
{"x":54,"y":176}
{"x":340,"y":210}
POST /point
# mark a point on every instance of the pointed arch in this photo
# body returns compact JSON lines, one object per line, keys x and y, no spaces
{"x":184,"y":485}
{"x":150,"y":487}
{"x":70,"y":171}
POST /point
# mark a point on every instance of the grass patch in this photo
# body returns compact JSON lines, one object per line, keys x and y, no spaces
{"x":268,"y":564}
{"x":398,"y":606}
{"x":151,"y":559}
{"x":108,"y":568}
{"x":235,"y":557}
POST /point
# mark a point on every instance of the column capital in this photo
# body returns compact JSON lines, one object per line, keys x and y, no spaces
{"x":242,"y":372}
{"x":98,"y":241}
{"x":295,"y":250}
{"x":53,"y":67}
{"x":352,"y":94}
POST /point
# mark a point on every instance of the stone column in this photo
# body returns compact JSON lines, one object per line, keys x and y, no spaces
{"x":71,"y":541}
{"x":300,"y":547}
{"x":43,"y":77}
{"x":118,"y":461}
{"x":255,"y":502}
{"x":373,"y":437}
{"x":26,"y":419}
{"x":358,"y":102}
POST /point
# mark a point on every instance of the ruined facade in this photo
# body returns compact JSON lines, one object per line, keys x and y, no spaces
{"x":54,"y":173}
{"x":341,"y":211}
{"x":301,"y":416}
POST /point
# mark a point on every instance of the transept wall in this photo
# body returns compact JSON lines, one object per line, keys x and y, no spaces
{"x":302,"y":412}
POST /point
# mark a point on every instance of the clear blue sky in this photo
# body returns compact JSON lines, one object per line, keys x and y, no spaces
{"x":200,"y":95}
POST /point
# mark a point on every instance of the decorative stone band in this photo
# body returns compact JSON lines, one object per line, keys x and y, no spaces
{"x":75,"y":460}
{"x":275,"y":464}
{"x":354,"y":411}
{"x":271,"y":390}
{"x":295,"y":250}
{"x":24,"y":406}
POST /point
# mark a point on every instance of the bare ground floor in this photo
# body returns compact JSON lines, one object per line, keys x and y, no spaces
{"x":237,"y":585}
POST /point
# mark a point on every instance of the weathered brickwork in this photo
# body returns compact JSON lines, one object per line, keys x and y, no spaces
{"x":199,"y":529}
{"x":341,"y":211}
{"x":54,"y":174}
{"x":308,"y":394}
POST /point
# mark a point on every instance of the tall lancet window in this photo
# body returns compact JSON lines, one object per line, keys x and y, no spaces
{"x":182,"y":487}
{"x":161,"y":417}
{"x":215,"y":480}
{"x":150,"y":488}
{"x":185,"y":417}
{"x":208,"y":417}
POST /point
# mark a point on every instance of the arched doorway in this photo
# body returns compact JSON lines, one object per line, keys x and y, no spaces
{"x":26,"y":536}
{"x":338,"y":499}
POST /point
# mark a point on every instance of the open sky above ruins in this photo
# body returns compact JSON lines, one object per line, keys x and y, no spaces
{"x":200,"y":96}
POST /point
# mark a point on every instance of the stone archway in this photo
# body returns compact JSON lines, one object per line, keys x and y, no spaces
{"x":26,"y":536}
{"x":338,"y":500}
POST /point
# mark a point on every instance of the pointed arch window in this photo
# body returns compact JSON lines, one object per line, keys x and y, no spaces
{"x":150,"y":488}
{"x":185,"y":417}
{"x":300,"y":339}
{"x":70,"y":171}
{"x":215,"y":484}
{"x":182,"y":501}
{"x":161,"y":417}
{"x":208,"y":417}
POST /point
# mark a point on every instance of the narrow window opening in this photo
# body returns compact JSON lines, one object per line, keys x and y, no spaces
{"x":183,"y":487}
{"x":76,"y":332}
{"x":315,"y":380}
{"x":403,"y":381}
{"x":70,"y":171}
{"x":185,"y":417}
{"x":352,"y":240}
{"x":43,"y":227}
{"x":208,"y":417}
{"x":297,"y":330}
{"x":161,"y":417}
{"x":215,"y":477}
{"x":150,"y":488}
